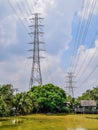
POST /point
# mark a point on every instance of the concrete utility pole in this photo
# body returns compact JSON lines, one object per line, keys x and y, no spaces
{"x":36,"y":77}
{"x":70,"y":84}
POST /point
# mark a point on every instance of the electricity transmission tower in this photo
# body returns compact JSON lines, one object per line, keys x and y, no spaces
{"x":36,"y":77}
{"x":70,"y":84}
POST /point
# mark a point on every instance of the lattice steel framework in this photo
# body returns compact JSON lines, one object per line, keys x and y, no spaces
{"x":36,"y":77}
{"x":70,"y":84}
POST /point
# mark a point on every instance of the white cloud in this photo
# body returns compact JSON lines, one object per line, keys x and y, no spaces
{"x":42,"y":6}
{"x":86,"y":69}
{"x":89,"y":7}
{"x":15,"y":71}
{"x":85,"y":55}
{"x":51,"y":70}
{"x":8,"y":31}
{"x":59,"y":16}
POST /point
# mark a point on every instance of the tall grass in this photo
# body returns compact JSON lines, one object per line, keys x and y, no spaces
{"x":50,"y":122}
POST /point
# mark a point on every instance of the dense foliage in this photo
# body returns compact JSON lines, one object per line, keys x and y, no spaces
{"x":22,"y":104}
{"x":49,"y":98}
{"x":6,"y":99}
{"x":39,"y":99}
{"x":90,"y":95}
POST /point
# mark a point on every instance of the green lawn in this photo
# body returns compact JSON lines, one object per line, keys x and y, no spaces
{"x":50,"y":122}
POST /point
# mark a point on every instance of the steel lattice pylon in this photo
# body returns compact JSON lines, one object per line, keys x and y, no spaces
{"x":36,"y":77}
{"x":69,"y":84}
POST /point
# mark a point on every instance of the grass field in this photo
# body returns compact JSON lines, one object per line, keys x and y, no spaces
{"x":50,"y":122}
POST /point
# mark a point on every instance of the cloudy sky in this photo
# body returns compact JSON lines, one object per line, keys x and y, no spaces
{"x":71,"y":28}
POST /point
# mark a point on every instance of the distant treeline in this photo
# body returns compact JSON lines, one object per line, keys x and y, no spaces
{"x":39,"y":99}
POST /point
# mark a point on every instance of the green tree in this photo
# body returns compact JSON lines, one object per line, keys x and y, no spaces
{"x":4,"y":111}
{"x":22,"y":104}
{"x":6,"y":94}
{"x":49,"y":98}
{"x":90,"y":95}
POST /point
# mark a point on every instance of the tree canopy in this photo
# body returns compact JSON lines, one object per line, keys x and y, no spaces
{"x":40,"y":99}
{"x":49,"y":98}
{"x":6,"y":99}
{"x":90,"y":95}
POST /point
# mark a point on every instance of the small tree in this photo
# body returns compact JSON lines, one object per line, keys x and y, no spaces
{"x":4,"y":111}
{"x":6,"y":94}
{"x":22,"y":104}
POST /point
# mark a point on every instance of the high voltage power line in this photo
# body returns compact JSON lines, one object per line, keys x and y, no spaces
{"x":80,"y":37}
{"x":74,"y":42}
{"x":82,"y":68}
{"x":18,"y":16}
{"x":82,"y":40}
{"x":82,"y":30}
{"x":26,"y":8}
{"x":21,"y":11}
{"x":32,"y":5}
{"x":79,"y":30}
{"x":92,"y":58}
{"x":90,"y":74}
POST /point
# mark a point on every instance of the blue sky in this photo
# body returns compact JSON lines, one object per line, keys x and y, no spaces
{"x":61,"y":20}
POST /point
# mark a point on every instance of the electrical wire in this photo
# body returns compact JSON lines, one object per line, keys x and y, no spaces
{"x":79,"y":30}
{"x":76,"y":37}
{"x":79,"y":40}
{"x":30,"y":10}
{"x":21,"y":11}
{"x":86,"y":30}
{"x":81,"y":69}
{"x":32,"y":5}
{"x":90,"y":74}
{"x":26,"y":8}
{"x":84,"y":37}
{"x":84,"y":71}
{"x":25,"y":27}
